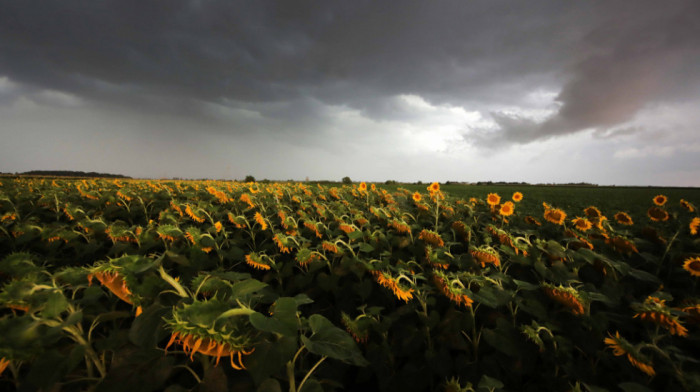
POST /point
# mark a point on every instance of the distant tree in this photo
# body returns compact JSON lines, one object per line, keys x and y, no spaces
{"x":249,"y":178}
{"x":390,"y":182}
{"x":347,"y":180}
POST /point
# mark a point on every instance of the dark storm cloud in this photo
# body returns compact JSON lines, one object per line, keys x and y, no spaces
{"x":633,"y":58}
{"x":286,"y":60}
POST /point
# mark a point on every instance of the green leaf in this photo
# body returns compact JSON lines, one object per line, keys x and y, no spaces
{"x":366,"y":248}
{"x":269,"y":385}
{"x":283,"y":320}
{"x":331,"y":341}
{"x":270,"y":358}
{"x":525,"y":285}
{"x":355,"y":235}
{"x":147,"y":329}
{"x":56,"y":303}
{"x":246,"y":287}
{"x":489,"y":383}
{"x":644,"y":276}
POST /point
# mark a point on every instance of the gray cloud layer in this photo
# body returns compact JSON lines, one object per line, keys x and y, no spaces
{"x":605,"y":60}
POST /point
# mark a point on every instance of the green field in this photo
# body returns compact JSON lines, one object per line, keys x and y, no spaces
{"x":573,"y":199}
{"x":147,"y":285}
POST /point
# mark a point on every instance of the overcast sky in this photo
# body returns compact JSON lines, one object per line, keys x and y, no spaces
{"x":606,"y":92}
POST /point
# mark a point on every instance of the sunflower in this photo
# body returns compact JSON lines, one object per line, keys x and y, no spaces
{"x":385,"y":279}
{"x":692,"y":265}
{"x":493,"y":199}
{"x":416,"y":197}
{"x":507,"y":209}
{"x":400,"y":226}
{"x":279,"y":240}
{"x":199,"y":328}
{"x":567,"y":296}
{"x":347,"y":229}
{"x":355,"y":327}
{"x":517,"y":197}
{"x":431,"y":238}
{"x":592,"y":212}
{"x":246,"y":199}
{"x":555,"y":216}
{"x":330,"y":247}
{"x":218,"y":226}
{"x":622,"y":347}
{"x":622,"y":245}
{"x":455,"y":294}
{"x":654,"y":310}
{"x":434,"y":187}
{"x":694,"y":225}
{"x":261,"y":221}
{"x":687,"y":206}
{"x":623,"y":218}
{"x":660,"y":200}
{"x":4,"y":363}
{"x":582,"y":224}
{"x":531,"y":220}
{"x":256,"y":262}
{"x":486,"y":255}
{"x":657,"y":214}
{"x":115,"y":283}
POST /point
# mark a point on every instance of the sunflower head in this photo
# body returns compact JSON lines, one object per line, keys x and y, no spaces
{"x":434,"y":187}
{"x":657,"y":214}
{"x":517,"y":197}
{"x":660,"y":200}
{"x":694,"y":225}
{"x":493,"y":199}
{"x":623,"y":218}
{"x":416,"y":197}
{"x":363,"y":187}
{"x":507,"y":209}
{"x":692,"y":265}
{"x":592,"y":212}
{"x":686,"y":205}
{"x":582,"y":224}
{"x":555,"y":215}
{"x":204,"y":327}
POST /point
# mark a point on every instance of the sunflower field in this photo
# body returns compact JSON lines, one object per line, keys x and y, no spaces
{"x":113,"y":285}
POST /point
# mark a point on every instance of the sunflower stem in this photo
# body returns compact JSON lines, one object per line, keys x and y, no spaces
{"x":301,"y":384}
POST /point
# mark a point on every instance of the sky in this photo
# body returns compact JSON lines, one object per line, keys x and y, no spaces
{"x":605,"y":92}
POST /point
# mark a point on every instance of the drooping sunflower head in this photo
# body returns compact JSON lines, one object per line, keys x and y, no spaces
{"x":485,"y":255}
{"x":517,"y":197}
{"x":622,"y":245}
{"x":568,"y":296}
{"x":212,"y":328}
{"x":258,"y":261}
{"x":493,"y":199}
{"x":692,"y":265}
{"x":686,"y":205}
{"x":694,"y":226}
{"x":623,"y":218}
{"x":660,"y":200}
